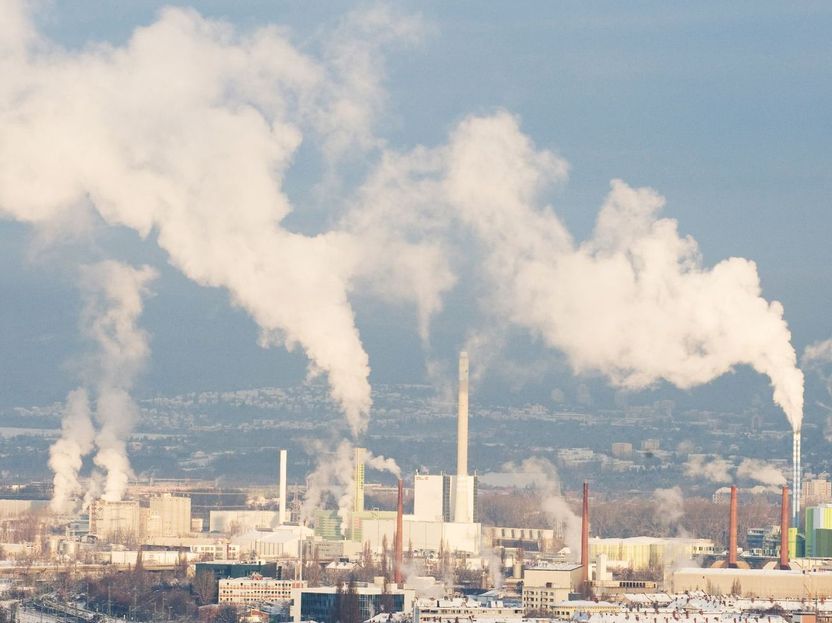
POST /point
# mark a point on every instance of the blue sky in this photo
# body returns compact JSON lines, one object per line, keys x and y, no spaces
{"x":723,"y":108}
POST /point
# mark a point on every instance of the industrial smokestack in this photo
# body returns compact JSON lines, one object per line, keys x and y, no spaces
{"x":732,"y":530}
{"x":398,"y":563}
{"x":462,"y":418}
{"x":282,"y":476}
{"x":358,"y":459}
{"x":784,"y":529}
{"x":463,"y":513}
{"x":585,"y":541}
{"x":796,"y":475}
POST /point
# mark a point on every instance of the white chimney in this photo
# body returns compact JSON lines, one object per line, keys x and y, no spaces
{"x":462,"y":418}
{"x":464,"y":488}
{"x":282,"y":513}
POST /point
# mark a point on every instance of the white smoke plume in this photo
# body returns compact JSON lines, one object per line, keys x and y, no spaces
{"x":762,"y":472}
{"x":670,"y":508}
{"x":634,"y":301}
{"x":66,"y":455}
{"x":817,"y":354}
{"x":333,"y":476}
{"x":184,"y":133}
{"x":113,"y":294}
{"x":713,"y":469}
{"x":383,"y":464}
{"x":552,"y":502}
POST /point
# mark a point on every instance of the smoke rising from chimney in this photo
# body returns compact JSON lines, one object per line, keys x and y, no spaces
{"x":67,"y":454}
{"x":634,"y":301}
{"x":113,"y":301}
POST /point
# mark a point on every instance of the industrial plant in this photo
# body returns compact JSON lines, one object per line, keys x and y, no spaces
{"x":424,"y":553}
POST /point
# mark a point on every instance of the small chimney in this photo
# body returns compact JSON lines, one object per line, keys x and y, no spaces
{"x":398,"y":562}
{"x":784,"y":530}
{"x":585,"y":541}
{"x":732,"y":530}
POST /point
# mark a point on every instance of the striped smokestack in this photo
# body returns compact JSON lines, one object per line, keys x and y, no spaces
{"x":784,"y":529}
{"x":732,"y":530}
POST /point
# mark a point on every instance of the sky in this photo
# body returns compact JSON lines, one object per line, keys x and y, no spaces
{"x":721,"y":108}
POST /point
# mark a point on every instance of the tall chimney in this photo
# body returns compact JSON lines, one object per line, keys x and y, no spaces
{"x":784,"y":529}
{"x":281,"y":518}
{"x":732,"y":530}
{"x":796,"y":477}
{"x":585,"y":541}
{"x":463,"y":513}
{"x":398,"y":562}
{"x":359,"y":455}
{"x":462,"y":418}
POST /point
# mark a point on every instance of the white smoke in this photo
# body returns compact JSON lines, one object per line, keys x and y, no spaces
{"x":66,"y":455}
{"x":713,"y":469}
{"x":333,"y":476}
{"x":113,"y":294}
{"x":184,"y":134}
{"x":634,"y":301}
{"x":762,"y":472}
{"x":383,"y":464}
{"x":547,"y":484}
{"x":670,"y":508}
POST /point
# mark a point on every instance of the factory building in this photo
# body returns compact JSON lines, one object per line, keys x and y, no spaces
{"x":768,"y":583}
{"x":424,"y":535}
{"x":169,"y":515}
{"x":544,"y":587}
{"x":816,"y":491}
{"x":318,"y":604}
{"x":256,"y":589}
{"x":460,"y":609}
{"x":238,"y":569}
{"x":444,"y":506}
{"x":643,"y":552}
{"x":116,"y":520}
{"x":283,"y":542}
{"x":228,"y":521}
{"x":818,"y":531}
{"x":166,"y":516}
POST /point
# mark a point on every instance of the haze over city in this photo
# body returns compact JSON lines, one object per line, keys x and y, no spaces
{"x":313,"y":311}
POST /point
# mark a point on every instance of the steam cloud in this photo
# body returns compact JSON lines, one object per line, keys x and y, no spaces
{"x":113,"y":294}
{"x":547,"y":483}
{"x":714,"y":469}
{"x":332,"y":476}
{"x":670,"y":508}
{"x":762,"y":472}
{"x":114,"y":302}
{"x":634,"y":301}
{"x":383,"y":464}
{"x":67,"y":454}
{"x":186,"y":132}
